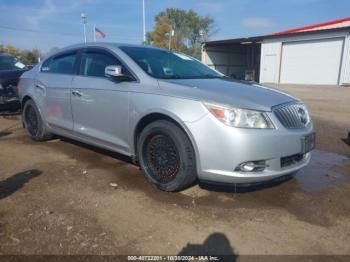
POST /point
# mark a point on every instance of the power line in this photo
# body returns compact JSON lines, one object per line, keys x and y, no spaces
{"x":60,"y":33}
{"x":36,"y":31}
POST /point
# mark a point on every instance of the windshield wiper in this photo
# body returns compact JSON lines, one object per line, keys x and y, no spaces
{"x":173,"y":77}
{"x":193,"y":77}
{"x":209,"y":76}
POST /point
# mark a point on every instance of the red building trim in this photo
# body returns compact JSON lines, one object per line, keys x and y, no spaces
{"x":314,"y":26}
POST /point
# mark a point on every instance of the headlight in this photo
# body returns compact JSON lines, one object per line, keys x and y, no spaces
{"x":303,"y":114}
{"x":238,"y":117}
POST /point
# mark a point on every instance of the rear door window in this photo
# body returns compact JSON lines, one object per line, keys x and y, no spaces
{"x":63,"y":64}
{"x":46,"y":66}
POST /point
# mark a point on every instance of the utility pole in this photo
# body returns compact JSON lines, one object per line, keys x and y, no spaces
{"x":171,"y":33}
{"x":94,"y":33}
{"x":144,"y":20}
{"x":201,"y":34}
{"x":84,"y":20}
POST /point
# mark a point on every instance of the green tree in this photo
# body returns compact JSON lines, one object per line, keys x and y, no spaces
{"x":190,"y":29}
{"x":160,"y":35}
{"x":28,"y":57}
{"x":11,"y":50}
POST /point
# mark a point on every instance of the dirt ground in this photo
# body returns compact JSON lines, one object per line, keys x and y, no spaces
{"x":56,"y":198}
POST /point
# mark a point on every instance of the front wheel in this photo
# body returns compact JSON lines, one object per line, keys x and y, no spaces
{"x":33,"y":122}
{"x":166,"y":156}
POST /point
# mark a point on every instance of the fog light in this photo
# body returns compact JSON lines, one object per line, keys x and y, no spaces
{"x":247,"y":167}
{"x":252,"y":166}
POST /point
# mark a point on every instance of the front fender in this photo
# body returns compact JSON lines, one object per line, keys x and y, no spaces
{"x":180,"y":110}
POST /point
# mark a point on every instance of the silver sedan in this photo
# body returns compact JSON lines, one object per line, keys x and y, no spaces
{"x":177,"y":118}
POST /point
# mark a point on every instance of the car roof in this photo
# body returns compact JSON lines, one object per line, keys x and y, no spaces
{"x":106,"y":45}
{"x":109,"y":45}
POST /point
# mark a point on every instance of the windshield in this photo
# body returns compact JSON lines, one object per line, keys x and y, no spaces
{"x":8,"y":62}
{"x":165,"y":64}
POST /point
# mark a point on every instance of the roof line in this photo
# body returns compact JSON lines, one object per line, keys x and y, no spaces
{"x":297,"y":29}
{"x":271,"y":36}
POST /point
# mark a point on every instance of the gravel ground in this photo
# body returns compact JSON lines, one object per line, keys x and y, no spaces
{"x":56,"y":197}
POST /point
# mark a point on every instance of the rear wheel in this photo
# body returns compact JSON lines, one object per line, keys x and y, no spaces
{"x":33,"y":122}
{"x":166,"y":156}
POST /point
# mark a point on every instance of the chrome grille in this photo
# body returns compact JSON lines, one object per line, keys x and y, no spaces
{"x":289,"y":115}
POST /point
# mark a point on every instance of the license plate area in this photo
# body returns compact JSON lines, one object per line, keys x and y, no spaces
{"x":308,"y":143}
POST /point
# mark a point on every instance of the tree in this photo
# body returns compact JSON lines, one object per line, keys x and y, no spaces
{"x":190,"y":29}
{"x":160,"y":36}
{"x":11,"y":50}
{"x":28,"y":57}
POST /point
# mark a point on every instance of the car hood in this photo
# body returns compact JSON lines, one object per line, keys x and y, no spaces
{"x":226,"y":91}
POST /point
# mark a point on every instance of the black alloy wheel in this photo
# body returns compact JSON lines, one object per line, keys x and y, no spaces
{"x":166,"y":156}
{"x":31,"y":120}
{"x":162,"y":157}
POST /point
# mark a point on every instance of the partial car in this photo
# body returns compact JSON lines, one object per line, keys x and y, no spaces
{"x":10,"y":70}
{"x":177,"y":118}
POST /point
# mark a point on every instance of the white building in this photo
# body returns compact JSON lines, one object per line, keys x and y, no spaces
{"x":317,"y":54}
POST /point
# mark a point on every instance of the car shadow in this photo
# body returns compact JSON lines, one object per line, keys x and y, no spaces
{"x":13,"y":183}
{"x":4,"y":133}
{"x":210,"y":186}
{"x":215,"y":245}
{"x":346,"y":140}
{"x":244,"y":188}
{"x":98,"y":150}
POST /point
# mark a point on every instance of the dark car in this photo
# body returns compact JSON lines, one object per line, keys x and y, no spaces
{"x":10,"y":70}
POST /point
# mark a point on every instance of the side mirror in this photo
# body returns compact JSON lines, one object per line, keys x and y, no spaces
{"x":115,"y":72}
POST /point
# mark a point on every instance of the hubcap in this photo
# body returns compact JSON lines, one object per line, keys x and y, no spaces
{"x":32,"y":123}
{"x":161,"y":158}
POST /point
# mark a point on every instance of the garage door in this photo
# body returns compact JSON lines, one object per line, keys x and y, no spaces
{"x":312,"y":62}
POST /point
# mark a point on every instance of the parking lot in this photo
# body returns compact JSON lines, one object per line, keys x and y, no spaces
{"x":64,"y":197}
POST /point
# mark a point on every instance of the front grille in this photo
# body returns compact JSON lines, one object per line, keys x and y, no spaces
{"x":291,"y":160}
{"x":289,"y":115}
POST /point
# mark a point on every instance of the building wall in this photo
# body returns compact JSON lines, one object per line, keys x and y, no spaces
{"x":271,"y":51}
{"x":233,"y":60}
{"x":345,"y":67}
{"x":225,"y":59}
{"x":270,"y":58}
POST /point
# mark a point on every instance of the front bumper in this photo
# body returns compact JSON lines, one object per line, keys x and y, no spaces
{"x":9,"y":100}
{"x":221,"y":148}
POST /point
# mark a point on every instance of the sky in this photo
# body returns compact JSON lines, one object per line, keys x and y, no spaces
{"x":45,"y":24}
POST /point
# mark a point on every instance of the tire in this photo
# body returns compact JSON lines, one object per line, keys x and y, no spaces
{"x":33,"y":122}
{"x":166,"y":156}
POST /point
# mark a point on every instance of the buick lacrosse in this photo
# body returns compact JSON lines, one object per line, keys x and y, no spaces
{"x":177,"y":118}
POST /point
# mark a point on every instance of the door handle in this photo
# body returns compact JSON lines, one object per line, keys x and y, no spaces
{"x":77,"y":93}
{"x":41,"y":88}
